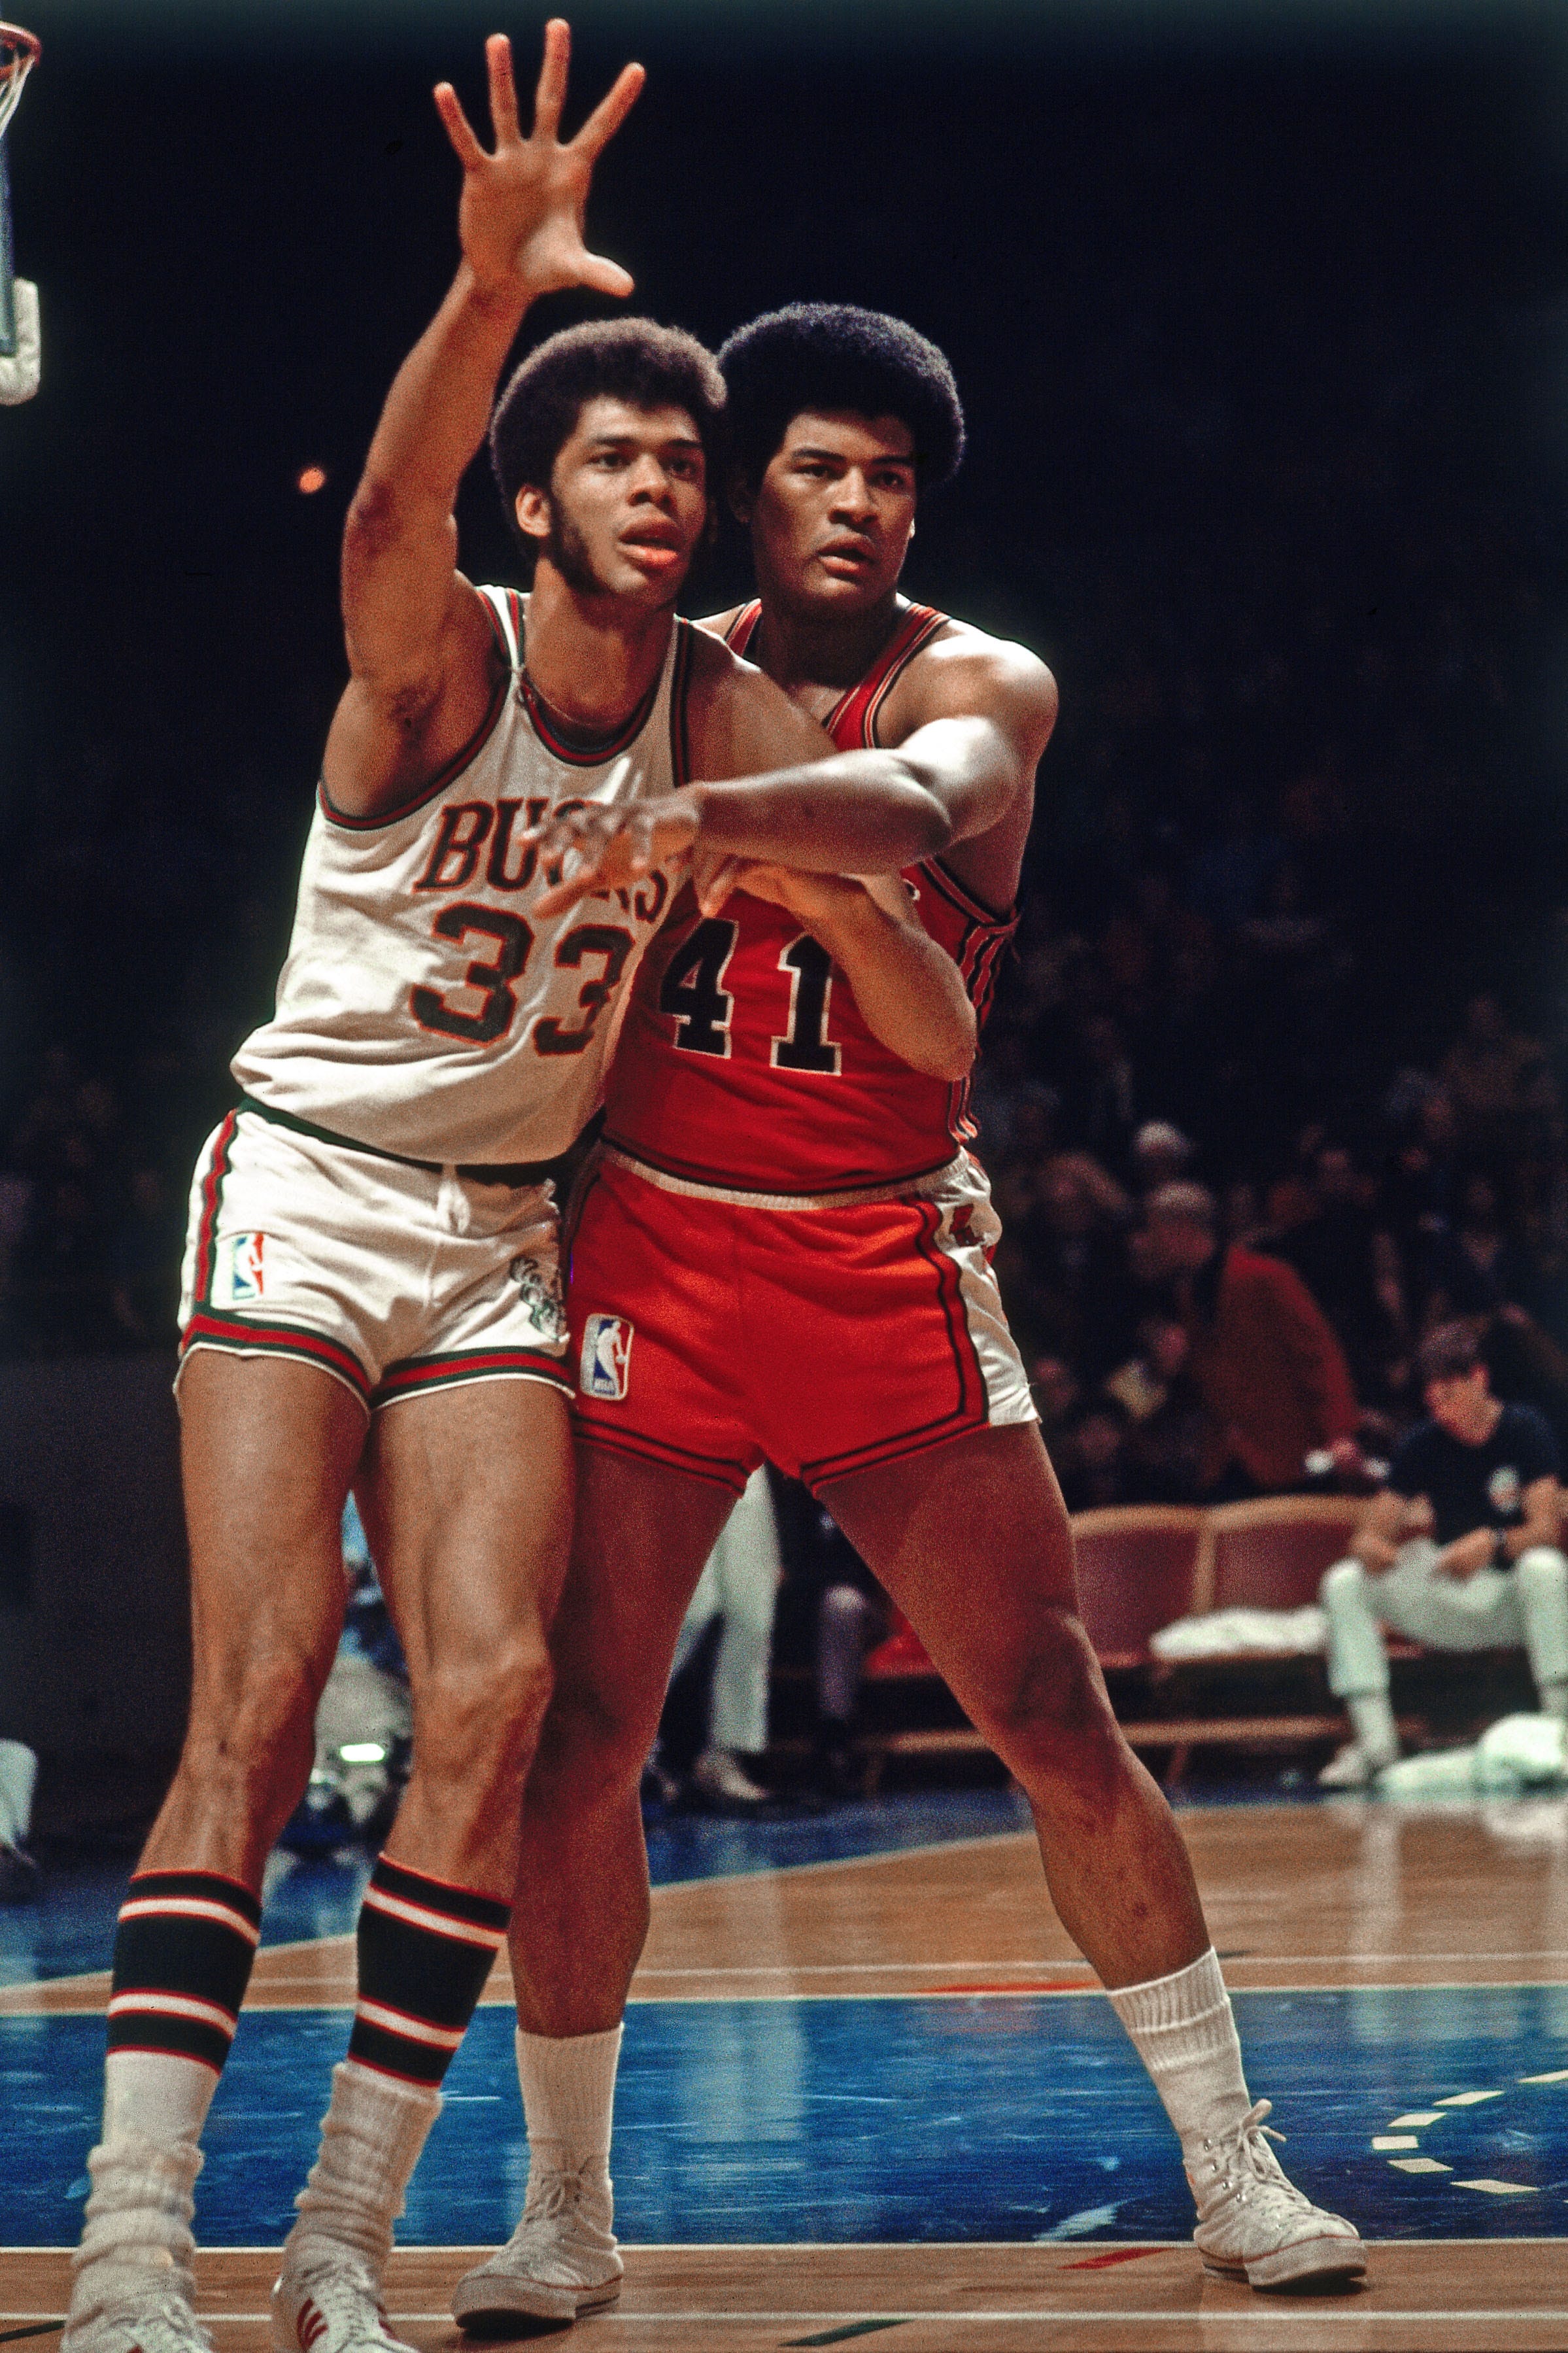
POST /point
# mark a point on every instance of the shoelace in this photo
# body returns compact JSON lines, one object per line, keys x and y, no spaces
{"x":177,"y":2314}
{"x":341,"y":2291}
{"x":1251,"y":2152}
{"x":561,"y":2195}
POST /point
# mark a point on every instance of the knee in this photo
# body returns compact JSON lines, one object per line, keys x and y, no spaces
{"x":1541,"y":1572}
{"x":483,"y":1706}
{"x":1054,"y":1717}
{"x":251,"y":1740}
{"x":1345,"y":1582}
{"x":594,"y":1739}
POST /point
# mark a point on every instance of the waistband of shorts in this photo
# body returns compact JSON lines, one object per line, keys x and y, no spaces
{"x":474,"y":1172}
{"x":911,"y":1188}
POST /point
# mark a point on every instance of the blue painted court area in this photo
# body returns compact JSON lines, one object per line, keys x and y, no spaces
{"x":907,"y":2119}
{"x":72,"y":1928}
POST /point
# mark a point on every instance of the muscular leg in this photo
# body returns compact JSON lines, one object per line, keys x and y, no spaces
{"x":467,"y":1498}
{"x":269,"y":1447}
{"x":642,"y":1536}
{"x":972,"y":1541}
{"x":582,"y":1911}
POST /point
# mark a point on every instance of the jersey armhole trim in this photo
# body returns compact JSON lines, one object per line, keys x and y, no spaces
{"x":959,"y":894}
{"x":427,"y":793}
{"x":744,"y":627}
{"x":679,"y":686}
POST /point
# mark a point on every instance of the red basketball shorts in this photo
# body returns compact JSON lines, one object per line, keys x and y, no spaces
{"x":709,"y":1335}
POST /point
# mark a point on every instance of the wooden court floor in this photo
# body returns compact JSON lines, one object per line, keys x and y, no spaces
{"x":1439,"y":1935}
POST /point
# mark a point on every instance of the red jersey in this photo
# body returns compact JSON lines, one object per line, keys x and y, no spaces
{"x":745,"y":1065}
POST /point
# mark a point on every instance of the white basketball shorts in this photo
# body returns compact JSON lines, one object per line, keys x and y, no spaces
{"x":394,"y":1278}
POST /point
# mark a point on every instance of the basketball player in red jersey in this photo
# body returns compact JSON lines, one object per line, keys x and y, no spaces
{"x":370,"y":1293}
{"x":783,"y":1252}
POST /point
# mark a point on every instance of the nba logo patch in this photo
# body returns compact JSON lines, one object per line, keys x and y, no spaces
{"x":606,"y":1354}
{"x":246,"y":1274}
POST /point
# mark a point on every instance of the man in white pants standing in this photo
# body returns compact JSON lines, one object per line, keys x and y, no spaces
{"x":1461,"y":1550}
{"x":740,"y":1584}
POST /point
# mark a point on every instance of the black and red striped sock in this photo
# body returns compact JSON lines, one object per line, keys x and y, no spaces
{"x":424,"y":1951}
{"x":183,"y":1952}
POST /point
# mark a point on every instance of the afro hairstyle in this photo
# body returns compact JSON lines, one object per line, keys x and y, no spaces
{"x":634,"y":360}
{"x":830,"y":355}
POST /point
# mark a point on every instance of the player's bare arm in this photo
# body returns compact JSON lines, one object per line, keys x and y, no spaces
{"x":976,"y":726}
{"x":906,"y":985}
{"x":972,"y":716}
{"x":781,"y":795}
{"x":422,"y":654}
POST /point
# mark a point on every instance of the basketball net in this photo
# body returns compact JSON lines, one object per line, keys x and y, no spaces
{"x":18,"y":55}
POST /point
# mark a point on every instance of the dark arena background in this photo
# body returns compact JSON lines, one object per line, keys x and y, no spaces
{"x":1260,"y":318}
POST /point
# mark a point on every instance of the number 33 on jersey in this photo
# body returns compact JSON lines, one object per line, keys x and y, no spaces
{"x":420,"y":1009}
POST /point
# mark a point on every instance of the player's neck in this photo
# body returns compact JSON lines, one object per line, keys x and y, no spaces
{"x":800,"y":651}
{"x":591,"y":660}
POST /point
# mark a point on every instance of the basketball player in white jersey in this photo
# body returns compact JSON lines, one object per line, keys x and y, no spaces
{"x":840,"y":1186}
{"x":371,"y":1283}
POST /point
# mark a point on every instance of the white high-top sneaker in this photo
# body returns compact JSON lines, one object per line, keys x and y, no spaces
{"x":159,"y":2321}
{"x":1255,"y":2225}
{"x":559,"y":2263}
{"x":326,"y":2299}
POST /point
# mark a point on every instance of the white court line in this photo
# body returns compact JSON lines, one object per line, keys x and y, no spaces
{"x":1358,"y":2315}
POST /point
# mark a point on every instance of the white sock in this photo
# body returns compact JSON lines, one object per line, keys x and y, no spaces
{"x":136,"y":2236}
{"x":1183,"y":2030}
{"x":1554,"y":1701}
{"x":568,"y":2085}
{"x":137,"y":2233}
{"x":371,"y":2138}
{"x":1372,"y":1718}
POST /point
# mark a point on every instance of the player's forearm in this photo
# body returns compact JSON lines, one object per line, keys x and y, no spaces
{"x":910,"y":991}
{"x":858,"y":813}
{"x":399,"y":541}
{"x":436,"y":415}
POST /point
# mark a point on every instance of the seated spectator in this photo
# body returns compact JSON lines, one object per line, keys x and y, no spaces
{"x":1264,"y":1358}
{"x":1459,"y":1550}
{"x":1073,"y":1291}
{"x":1348,"y":1262}
{"x":1090,"y":1458}
{"x":1057,"y":1391}
{"x":1169,"y":1426}
{"x":1496,"y":1078}
{"x":1162,"y":1154}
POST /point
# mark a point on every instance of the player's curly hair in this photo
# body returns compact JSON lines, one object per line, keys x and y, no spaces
{"x":634,"y":360}
{"x":827,"y":355}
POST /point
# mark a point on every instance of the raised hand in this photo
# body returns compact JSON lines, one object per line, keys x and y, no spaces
{"x":522,"y":213}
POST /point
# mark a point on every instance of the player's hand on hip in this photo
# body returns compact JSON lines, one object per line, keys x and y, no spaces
{"x":584,"y":852}
{"x":522,"y":214}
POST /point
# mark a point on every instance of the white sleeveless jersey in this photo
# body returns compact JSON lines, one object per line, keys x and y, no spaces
{"x":422,"y":1008}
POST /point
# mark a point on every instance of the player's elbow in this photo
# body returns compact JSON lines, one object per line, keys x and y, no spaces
{"x":947,"y":1047}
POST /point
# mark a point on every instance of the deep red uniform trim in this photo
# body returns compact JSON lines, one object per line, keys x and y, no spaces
{"x":717,"y":1470}
{"x":276,"y":1339}
{"x":212,"y":1194}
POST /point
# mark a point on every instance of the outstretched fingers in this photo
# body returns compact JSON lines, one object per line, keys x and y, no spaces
{"x":611,"y":112}
{"x":459,"y":131}
{"x":549,"y":97}
{"x":503,"y":92}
